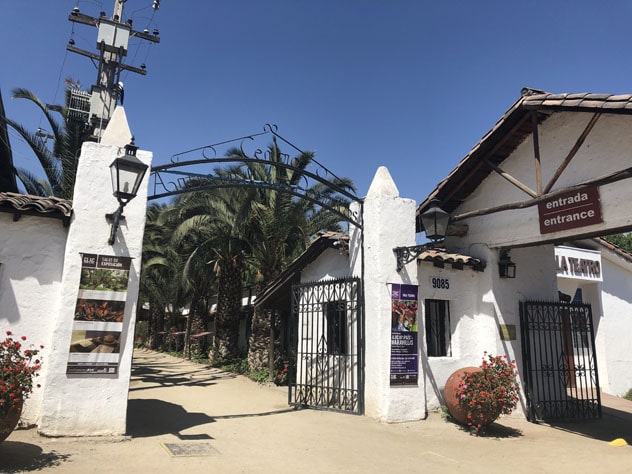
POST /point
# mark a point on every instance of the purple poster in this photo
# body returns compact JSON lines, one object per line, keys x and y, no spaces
{"x":404,"y":335}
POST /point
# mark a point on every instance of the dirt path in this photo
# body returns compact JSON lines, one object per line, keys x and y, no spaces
{"x":237,"y":426}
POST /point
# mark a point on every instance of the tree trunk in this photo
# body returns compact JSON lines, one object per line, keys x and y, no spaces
{"x":259,"y":344}
{"x":225,"y":343}
{"x":156,"y":326}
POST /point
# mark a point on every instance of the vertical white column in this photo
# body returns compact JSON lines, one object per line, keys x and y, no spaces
{"x":388,"y":222}
{"x":82,"y":405}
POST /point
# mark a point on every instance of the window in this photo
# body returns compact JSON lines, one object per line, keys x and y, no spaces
{"x":438,"y":328}
{"x":336,"y":314}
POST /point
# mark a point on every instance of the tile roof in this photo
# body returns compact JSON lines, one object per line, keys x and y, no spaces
{"x":20,"y":204}
{"x":613,"y":248}
{"x":441,"y":257}
{"x":511,"y":130}
{"x":280,"y":288}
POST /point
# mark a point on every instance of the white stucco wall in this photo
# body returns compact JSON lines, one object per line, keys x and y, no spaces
{"x":77,"y":405}
{"x":600,"y":155}
{"x":332,"y":263}
{"x":389,"y":222}
{"x":614,"y":325}
{"x":480,"y":302}
{"x":31,"y":261}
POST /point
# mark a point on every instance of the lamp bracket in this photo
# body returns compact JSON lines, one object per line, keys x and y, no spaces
{"x":113,"y":216}
{"x":114,"y":219}
{"x":406,"y":255}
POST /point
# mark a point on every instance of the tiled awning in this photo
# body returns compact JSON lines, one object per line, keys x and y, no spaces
{"x":440,"y":258}
{"x":26,"y":204}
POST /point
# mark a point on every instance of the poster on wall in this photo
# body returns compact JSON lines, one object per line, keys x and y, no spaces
{"x":404,"y":335}
{"x":98,"y":317}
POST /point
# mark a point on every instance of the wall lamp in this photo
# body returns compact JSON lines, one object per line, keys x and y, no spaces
{"x":127,"y":173}
{"x":435,"y":223}
{"x":506,"y":268}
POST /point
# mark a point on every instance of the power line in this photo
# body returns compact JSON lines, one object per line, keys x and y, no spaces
{"x":112,"y":44}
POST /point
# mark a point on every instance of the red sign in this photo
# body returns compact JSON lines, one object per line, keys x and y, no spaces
{"x":570,"y":210}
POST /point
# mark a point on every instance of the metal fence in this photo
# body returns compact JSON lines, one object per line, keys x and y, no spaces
{"x":560,"y":367}
{"x":328,"y":336}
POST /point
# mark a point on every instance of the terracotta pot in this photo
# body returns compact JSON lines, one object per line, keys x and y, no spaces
{"x":8,"y":423}
{"x":458,"y":413}
{"x":449,"y":393}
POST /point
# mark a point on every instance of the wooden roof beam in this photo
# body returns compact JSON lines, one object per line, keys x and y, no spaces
{"x":611,"y":178}
{"x":573,"y":152}
{"x":491,"y":152}
{"x":511,"y":179}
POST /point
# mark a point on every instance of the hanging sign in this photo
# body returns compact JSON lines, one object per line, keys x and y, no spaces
{"x":570,"y":210}
{"x":98,"y":319}
{"x":404,"y":335}
{"x":579,"y":264}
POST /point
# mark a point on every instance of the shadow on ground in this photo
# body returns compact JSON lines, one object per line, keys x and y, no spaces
{"x":612,"y":425}
{"x":495,"y":430}
{"x":16,"y":456}
{"x":151,"y":377}
{"x":151,"y":417}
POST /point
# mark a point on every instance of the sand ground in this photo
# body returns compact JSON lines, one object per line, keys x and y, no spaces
{"x":229,"y":424}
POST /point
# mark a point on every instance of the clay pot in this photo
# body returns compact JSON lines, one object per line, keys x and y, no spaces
{"x":449,"y":394}
{"x":8,"y":423}
{"x":458,"y":413}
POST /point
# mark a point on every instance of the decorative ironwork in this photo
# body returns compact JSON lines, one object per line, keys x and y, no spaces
{"x":560,"y":367}
{"x":328,"y":372}
{"x":318,"y":185}
{"x":406,"y":255}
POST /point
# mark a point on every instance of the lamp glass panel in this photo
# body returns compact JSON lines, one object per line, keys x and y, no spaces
{"x":435,"y":222}
{"x":127,"y":174}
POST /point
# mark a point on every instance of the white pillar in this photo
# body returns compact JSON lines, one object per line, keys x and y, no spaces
{"x":82,"y":405}
{"x":388,"y":222}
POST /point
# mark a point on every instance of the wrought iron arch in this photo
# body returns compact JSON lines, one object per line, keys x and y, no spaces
{"x":172,"y":179}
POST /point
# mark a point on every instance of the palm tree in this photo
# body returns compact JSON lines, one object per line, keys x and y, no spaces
{"x":211,"y":228}
{"x":280,"y":226}
{"x":160,"y":286}
{"x":59,"y":163}
{"x":7,"y":171}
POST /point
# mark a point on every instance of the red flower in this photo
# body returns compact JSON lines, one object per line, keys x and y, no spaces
{"x":18,"y":370}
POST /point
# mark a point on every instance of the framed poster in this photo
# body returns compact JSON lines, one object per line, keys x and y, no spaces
{"x":95,"y":344}
{"x":404,"y":335}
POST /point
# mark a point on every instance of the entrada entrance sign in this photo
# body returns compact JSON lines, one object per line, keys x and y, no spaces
{"x":570,"y":211}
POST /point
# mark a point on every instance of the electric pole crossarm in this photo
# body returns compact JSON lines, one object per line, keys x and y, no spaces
{"x":83,"y":19}
{"x":112,"y":44}
{"x":145,"y":36}
{"x":83,"y":52}
{"x":132,"y":69}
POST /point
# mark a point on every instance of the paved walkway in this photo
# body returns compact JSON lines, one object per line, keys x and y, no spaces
{"x":237,"y":426}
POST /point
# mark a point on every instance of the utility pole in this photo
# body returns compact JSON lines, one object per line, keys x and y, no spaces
{"x":112,"y":39}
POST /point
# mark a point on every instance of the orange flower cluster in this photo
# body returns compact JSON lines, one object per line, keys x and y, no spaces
{"x":490,"y":392}
{"x":19,"y":367}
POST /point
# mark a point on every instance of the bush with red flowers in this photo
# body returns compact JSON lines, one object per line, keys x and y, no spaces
{"x":19,"y":365}
{"x":281,"y":377}
{"x":488,"y":393}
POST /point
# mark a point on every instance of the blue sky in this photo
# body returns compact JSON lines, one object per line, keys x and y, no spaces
{"x":409,"y":84}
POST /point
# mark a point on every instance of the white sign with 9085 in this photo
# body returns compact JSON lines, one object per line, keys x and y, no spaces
{"x":439,"y":283}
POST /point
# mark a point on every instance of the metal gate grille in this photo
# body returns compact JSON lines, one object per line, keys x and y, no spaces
{"x":560,"y":368}
{"x":328,"y":336}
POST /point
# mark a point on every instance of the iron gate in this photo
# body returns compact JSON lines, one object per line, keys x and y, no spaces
{"x":328,"y":336}
{"x":560,"y":367}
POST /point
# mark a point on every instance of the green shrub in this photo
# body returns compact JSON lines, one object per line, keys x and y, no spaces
{"x":628,"y":396}
{"x":235,"y":366}
{"x":259,"y":376}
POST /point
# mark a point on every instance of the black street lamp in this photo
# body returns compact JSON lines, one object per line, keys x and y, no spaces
{"x":127,"y":173}
{"x":506,"y":268}
{"x":435,"y":222}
